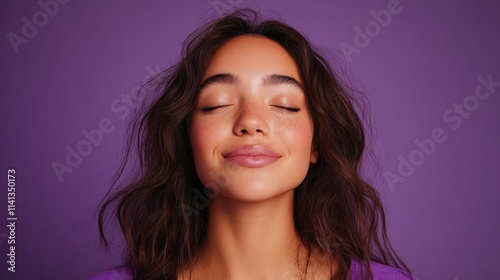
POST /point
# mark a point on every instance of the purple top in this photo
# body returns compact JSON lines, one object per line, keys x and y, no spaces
{"x":380,"y":272}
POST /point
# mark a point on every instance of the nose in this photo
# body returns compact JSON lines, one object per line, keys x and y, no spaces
{"x":251,"y":120}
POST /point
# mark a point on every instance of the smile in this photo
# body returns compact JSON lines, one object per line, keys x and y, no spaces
{"x":251,"y":156}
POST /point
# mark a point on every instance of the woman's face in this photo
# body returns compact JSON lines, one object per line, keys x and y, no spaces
{"x":251,"y":130}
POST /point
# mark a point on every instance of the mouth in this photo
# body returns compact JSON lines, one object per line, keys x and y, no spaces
{"x":252,"y":156}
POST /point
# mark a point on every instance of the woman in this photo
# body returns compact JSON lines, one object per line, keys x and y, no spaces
{"x":249,"y":167}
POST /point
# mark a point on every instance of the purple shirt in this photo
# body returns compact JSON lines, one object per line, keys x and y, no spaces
{"x":380,"y":272}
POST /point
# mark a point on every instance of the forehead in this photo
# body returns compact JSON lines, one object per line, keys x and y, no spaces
{"x":250,"y":56}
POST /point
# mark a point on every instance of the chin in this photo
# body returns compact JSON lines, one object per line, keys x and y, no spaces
{"x":254,"y":192}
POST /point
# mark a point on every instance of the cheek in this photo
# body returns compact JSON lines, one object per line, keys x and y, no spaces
{"x":200,"y":134}
{"x":297,"y":133}
{"x":205,"y":137}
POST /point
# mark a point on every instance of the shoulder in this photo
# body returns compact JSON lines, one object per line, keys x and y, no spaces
{"x":380,"y":272}
{"x":116,"y":273}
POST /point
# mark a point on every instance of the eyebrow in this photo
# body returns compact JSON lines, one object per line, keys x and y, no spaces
{"x":224,"y":78}
{"x":269,"y":80}
{"x":274,"y":80}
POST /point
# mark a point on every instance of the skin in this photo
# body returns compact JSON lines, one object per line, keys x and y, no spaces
{"x":251,"y":233}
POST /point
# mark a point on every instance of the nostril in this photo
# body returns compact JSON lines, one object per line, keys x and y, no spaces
{"x":245,"y":131}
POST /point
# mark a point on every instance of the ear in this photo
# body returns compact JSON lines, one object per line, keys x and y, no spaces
{"x":314,"y":155}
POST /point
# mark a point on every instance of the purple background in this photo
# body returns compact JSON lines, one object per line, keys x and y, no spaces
{"x":443,"y":219}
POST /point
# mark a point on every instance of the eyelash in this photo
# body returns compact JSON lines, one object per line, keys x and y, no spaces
{"x":291,"y":109}
{"x":209,"y":109}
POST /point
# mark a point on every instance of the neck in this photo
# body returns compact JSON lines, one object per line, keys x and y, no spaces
{"x":256,"y":239}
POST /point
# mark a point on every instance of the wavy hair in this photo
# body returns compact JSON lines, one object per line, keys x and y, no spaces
{"x":335,"y":210}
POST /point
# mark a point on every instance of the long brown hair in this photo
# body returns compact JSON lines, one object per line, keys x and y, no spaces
{"x":161,"y":213}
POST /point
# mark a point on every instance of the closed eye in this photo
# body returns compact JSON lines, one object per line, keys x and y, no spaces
{"x":211,"y":108}
{"x":291,"y":109}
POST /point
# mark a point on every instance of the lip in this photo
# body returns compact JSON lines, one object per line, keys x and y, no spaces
{"x":251,"y":156}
